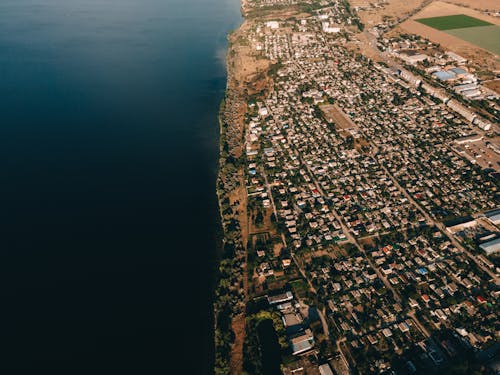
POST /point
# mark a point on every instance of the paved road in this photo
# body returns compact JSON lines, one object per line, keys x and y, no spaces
{"x":424,"y":330}
{"x":429,"y":220}
{"x":443,"y":229}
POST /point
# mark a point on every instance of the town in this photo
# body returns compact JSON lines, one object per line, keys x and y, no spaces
{"x":368,"y":238}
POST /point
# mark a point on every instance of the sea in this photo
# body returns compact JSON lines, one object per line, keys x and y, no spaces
{"x":109,"y":227}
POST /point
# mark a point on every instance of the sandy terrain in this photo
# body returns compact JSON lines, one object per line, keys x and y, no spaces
{"x":485,"y":5}
{"x":395,"y":9}
{"x":402,"y":8}
{"x":441,"y":8}
{"x":493,"y":85}
{"x":244,"y":64}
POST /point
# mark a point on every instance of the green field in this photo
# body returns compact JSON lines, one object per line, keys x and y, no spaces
{"x":457,"y":21}
{"x":487,"y":37}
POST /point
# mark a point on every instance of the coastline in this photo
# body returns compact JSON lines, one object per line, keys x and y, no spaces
{"x":246,"y":76}
{"x":228,"y":314}
{"x":249,"y":89}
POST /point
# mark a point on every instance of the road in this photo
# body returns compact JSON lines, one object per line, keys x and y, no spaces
{"x":424,"y":330}
{"x":269,"y":193}
{"x":350,"y":237}
{"x":442,"y":228}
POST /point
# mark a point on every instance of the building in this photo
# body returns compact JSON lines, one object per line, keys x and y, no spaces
{"x":444,"y":75}
{"x":410,"y":77}
{"x":273,"y":25}
{"x":482,"y":124}
{"x":328,"y":28}
{"x":491,"y":247}
{"x":302,"y":343}
{"x":325,"y":369}
{"x":457,"y":58}
{"x":280,"y":298}
{"x":493,"y":216}
{"x":469,"y":139}
{"x":461,"y":110}
{"x":460,"y":224}
{"x":413,"y":58}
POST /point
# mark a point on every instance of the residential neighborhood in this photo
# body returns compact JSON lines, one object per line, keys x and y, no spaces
{"x":372,"y":199}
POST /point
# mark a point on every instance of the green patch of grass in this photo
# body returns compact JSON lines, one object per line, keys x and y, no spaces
{"x":457,"y":21}
{"x":299,"y":287}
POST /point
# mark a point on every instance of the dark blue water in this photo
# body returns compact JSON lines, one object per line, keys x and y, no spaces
{"x":108,"y":152}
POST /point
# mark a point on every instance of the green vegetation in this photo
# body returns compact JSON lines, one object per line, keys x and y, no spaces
{"x":486,"y":37}
{"x":300,"y":288}
{"x":458,"y":21}
{"x":229,"y":293}
{"x":252,"y":355}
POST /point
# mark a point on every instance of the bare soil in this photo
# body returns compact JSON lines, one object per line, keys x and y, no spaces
{"x":482,"y":5}
{"x":493,"y":85}
{"x":394,"y":9}
{"x":333,"y":114}
{"x":442,"y":8}
{"x":238,"y":326}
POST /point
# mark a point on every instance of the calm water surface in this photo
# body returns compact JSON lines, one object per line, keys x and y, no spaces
{"x":108,"y":150}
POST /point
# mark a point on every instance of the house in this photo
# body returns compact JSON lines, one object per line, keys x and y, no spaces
{"x":325,"y":369}
{"x":303,"y":342}
{"x":280,"y":298}
{"x":491,"y":247}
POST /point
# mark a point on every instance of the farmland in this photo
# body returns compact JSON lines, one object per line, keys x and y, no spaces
{"x":486,"y":37}
{"x":476,"y":43}
{"x":456,"y":21}
{"x":478,"y":32}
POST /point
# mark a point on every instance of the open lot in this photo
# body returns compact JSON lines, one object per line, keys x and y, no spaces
{"x":393,"y":9}
{"x":456,"y":21}
{"x":484,"y":5}
{"x":334,"y":114}
{"x":493,"y":85}
{"x":483,"y":155}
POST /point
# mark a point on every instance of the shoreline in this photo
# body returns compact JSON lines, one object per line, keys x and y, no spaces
{"x":231,"y":252}
{"x":246,"y":75}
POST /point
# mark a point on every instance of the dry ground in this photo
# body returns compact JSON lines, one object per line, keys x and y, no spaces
{"x":238,"y":326}
{"x":484,"y":156}
{"x":333,"y":114}
{"x":484,"y":5}
{"x":442,"y":8}
{"x":395,"y":9}
{"x":493,"y":85}
{"x":243,"y":62}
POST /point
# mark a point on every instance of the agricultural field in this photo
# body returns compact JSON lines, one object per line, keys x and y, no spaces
{"x":458,"y":29}
{"x":487,"y":37}
{"x":478,"y":32}
{"x":456,"y":21}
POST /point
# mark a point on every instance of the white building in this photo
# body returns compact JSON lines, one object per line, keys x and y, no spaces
{"x":327,"y":28}
{"x":273,"y":25}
